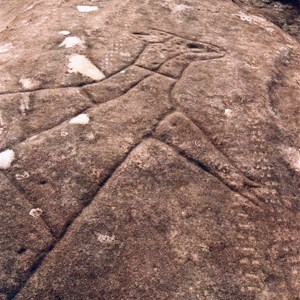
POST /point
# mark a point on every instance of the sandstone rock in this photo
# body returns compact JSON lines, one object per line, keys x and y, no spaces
{"x":23,"y":115}
{"x":69,"y":163}
{"x":162,"y":229}
{"x":166,"y":162}
{"x":23,"y":239}
{"x":283,"y":13}
{"x":117,"y":85}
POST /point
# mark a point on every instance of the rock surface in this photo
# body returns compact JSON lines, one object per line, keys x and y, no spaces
{"x":284,"y":13}
{"x":154,"y":150}
{"x":24,"y":238}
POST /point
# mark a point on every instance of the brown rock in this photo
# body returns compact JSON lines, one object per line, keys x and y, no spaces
{"x":162,"y":229}
{"x":209,"y":209}
{"x":117,"y":85}
{"x":24,"y":239}
{"x":26,"y":114}
{"x":69,"y":163}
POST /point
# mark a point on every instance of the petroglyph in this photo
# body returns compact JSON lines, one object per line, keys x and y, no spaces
{"x":126,"y":178}
{"x":173,"y":55}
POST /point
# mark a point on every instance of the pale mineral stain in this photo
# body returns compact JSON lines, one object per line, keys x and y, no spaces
{"x":82,"y":119}
{"x":81,"y":64}
{"x":71,"y":41}
{"x":86,"y":8}
{"x":28,"y":83}
{"x":6,"y":158}
{"x":24,"y":105}
{"x":1,"y":123}
{"x":64,"y":32}
{"x":90,"y":136}
{"x":36,"y":212}
{"x":298,"y":165}
{"x":292,"y":156}
{"x":64,"y":133}
{"x":180,"y":8}
{"x":252,"y":19}
{"x":228,"y":112}
{"x":125,"y":54}
{"x":33,"y":137}
{"x":5,"y":48}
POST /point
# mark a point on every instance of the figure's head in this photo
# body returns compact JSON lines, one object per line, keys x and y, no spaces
{"x":152,"y":36}
{"x":162,"y":48}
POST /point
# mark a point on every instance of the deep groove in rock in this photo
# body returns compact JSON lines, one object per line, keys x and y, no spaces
{"x":205,"y":168}
{"x":34,"y":133}
{"x":125,"y":92}
{"x":43,"y":255}
{"x":213,"y":143}
{"x":86,"y":94}
{"x":66,"y":227}
{"x":185,"y":38}
{"x":79,"y":85}
{"x":13,"y":181}
{"x":93,"y":104}
{"x":83,"y":92}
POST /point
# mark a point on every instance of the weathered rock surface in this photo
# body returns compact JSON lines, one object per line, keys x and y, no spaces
{"x":284,"y":13}
{"x":68,"y":164}
{"x":149,"y":150}
{"x":25,"y":114}
{"x":24,"y":238}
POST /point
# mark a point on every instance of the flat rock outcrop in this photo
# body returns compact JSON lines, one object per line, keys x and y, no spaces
{"x":149,"y":150}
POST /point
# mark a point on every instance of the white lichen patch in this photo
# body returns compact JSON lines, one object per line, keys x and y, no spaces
{"x":81,"y":64}
{"x":103,"y":238}
{"x":82,"y":119}
{"x":6,"y":159}
{"x":28,"y":83}
{"x":64,"y":32}
{"x":71,"y":41}
{"x":5,"y":48}
{"x":86,"y":8}
{"x":36,"y":212}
